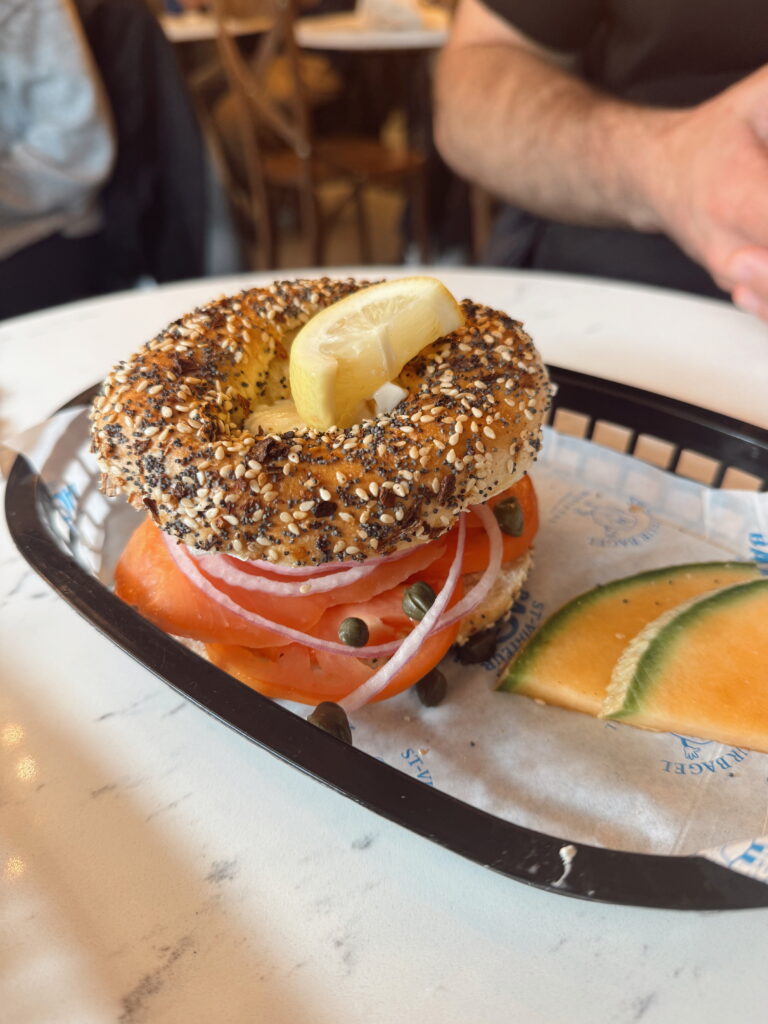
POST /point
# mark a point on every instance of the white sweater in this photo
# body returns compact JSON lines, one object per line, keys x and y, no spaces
{"x":56,"y":140}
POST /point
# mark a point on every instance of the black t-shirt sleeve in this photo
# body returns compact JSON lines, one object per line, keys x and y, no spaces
{"x":565,"y":25}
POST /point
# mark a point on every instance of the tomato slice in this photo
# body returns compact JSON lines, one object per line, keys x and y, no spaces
{"x":307,"y":676}
{"x":476,"y":548}
{"x":147,"y":578}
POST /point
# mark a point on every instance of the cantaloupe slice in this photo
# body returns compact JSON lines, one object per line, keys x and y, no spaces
{"x":570,"y":659}
{"x":700,"y":669}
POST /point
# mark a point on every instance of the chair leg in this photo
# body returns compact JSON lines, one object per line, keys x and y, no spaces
{"x":361,"y":224}
{"x":420,"y":218}
{"x":311,"y":222}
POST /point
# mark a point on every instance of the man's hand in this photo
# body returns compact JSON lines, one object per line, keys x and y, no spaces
{"x":710,"y":190}
{"x":513,"y":118}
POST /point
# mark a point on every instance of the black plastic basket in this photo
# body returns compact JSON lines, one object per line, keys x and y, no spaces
{"x":529,"y":856}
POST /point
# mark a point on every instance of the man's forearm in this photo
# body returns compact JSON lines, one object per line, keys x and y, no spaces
{"x":543,"y":139}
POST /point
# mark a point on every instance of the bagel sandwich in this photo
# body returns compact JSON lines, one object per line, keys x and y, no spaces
{"x":324,"y":562}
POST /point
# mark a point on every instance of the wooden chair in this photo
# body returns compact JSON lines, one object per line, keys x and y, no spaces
{"x":282,"y":152}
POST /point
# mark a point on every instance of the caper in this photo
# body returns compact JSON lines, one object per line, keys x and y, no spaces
{"x":510,"y":517}
{"x":332,"y":718}
{"x":353,"y":632}
{"x":418,"y":599}
{"x":479,"y":647}
{"x":431,"y":690}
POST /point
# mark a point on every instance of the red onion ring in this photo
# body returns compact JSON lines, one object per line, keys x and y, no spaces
{"x":312,"y":570}
{"x":383,"y":676}
{"x":185,"y":563}
{"x":213,"y":565}
{"x":482,"y":588}
{"x":435,"y":620}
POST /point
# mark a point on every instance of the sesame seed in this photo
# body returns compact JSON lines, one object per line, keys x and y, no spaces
{"x":220,"y":453}
{"x":352,"y":550}
{"x":386,"y":518}
{"x":338,"y":547}
{"x":154,"y":390}
{"x":451,"y":456}
{"x":184,"y":428}
{"x":341,"y":478}
{"x":166,"y":412}
{"x":307,"y":506}
{"x":373,"y":487}
{"x":489,"y":433}
{"x":151,"y":431}
{"x":293,"y":528}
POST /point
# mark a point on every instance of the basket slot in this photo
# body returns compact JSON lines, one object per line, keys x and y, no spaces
{"x":695,"y":466}
{"x":572,"y":423}
{"x":727,"y":442}
{"x":739,"y":480}
{"x":614,"y":436}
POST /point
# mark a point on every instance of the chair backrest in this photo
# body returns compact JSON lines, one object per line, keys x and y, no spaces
{"x":285,"y":115}
{"x":263,"y":112}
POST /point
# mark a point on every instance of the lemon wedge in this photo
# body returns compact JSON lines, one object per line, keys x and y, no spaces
{"x":347,"y":351}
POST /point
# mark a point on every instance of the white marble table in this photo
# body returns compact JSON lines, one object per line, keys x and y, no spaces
{"x":156,"y":867}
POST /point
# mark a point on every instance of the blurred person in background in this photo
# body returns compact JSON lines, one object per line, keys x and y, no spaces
{"x":103,"y":173}
{"x":57,"y":150}
{"x":629,"y":140}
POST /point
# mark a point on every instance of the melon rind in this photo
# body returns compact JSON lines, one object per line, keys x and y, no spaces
{"x":644,"y":669}
{"x":526,"y":673}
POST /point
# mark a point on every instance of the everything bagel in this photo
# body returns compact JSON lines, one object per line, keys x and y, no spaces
{"x":170,"y":431}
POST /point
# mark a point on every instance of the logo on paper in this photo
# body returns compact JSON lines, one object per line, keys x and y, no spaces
{"x":617,"y":524}
{"x":523,"y":620}
{"x":692,"y":746}
{"x":620,"y":525}
{"x":698,"y":760}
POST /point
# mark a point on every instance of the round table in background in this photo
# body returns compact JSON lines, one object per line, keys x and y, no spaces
{"x":200,"y":27}
{"x":352,"y":31}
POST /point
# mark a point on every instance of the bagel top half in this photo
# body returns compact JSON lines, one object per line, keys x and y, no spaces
{"x":169,"y":431}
